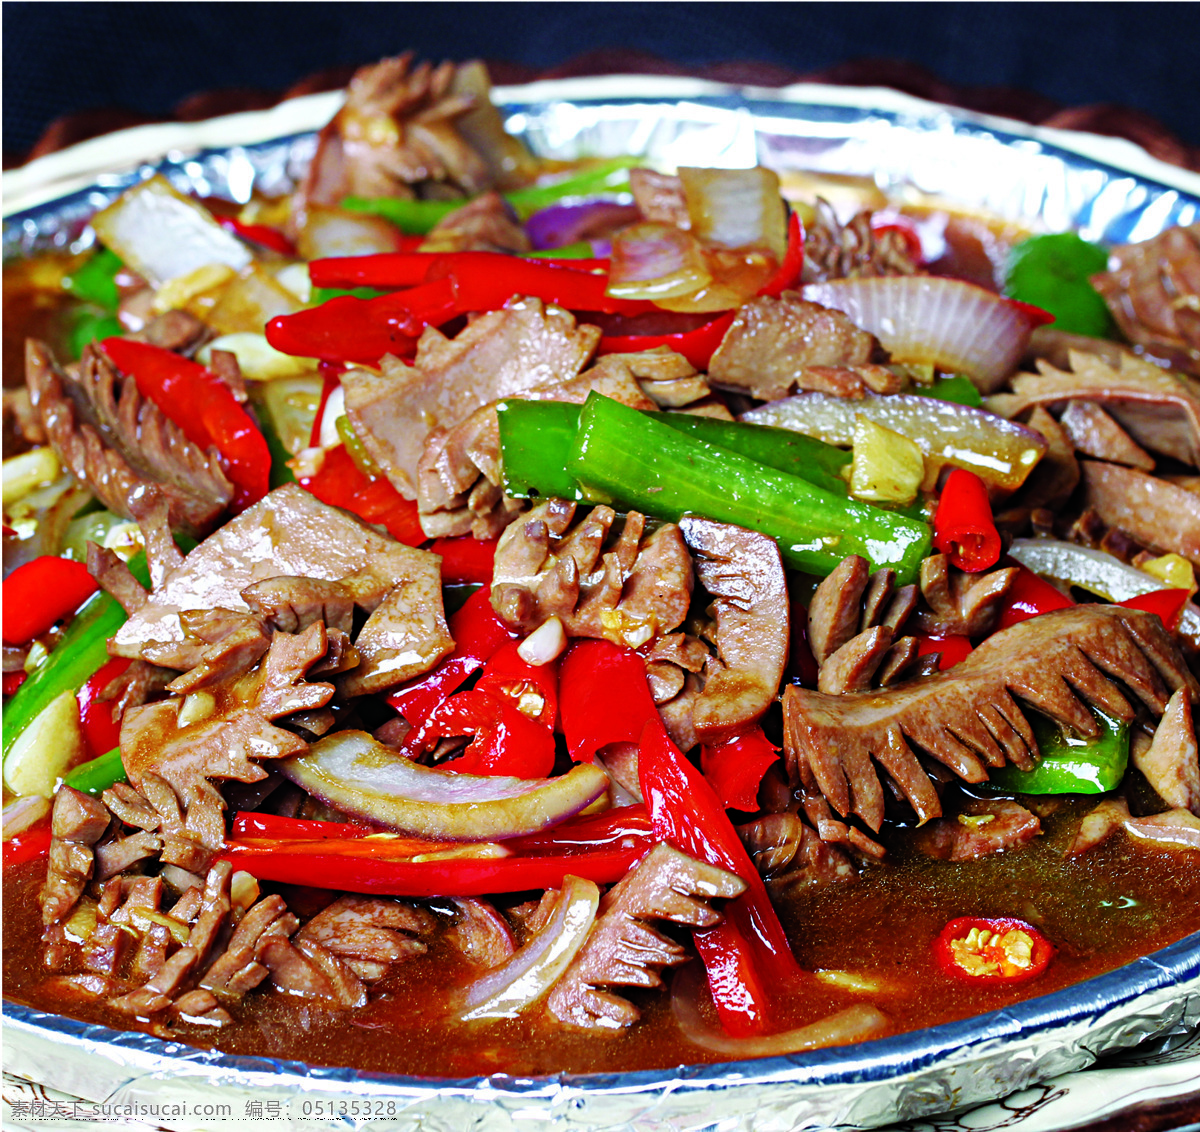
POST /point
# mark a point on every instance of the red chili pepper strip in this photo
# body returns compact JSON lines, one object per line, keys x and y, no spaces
{"x":262,"y":234}
{"x":466,"y":559}
{"x":1168,"y":604}
{"x":1001,"y":950}
{"x":603,"y":697}
{"x":787,"y":276}
{"x":42,"y":592}
{"x":735,"y":769}
{"x":748,"y":950}
{"x":531,"y":688}
{"x":455,"y":876}
{"x":31,"y":845}
{"x":963,"y":528}
{"x":698,"y":345}
{"x":385,"y":269}
{"x":340,"y":483}
{"x":951,"y":648}
{"x":506,"y":741}
{"x":478,"y":633}
{"x":250,"y":824}
{"x":101,"y":732}
{"x":1029,"y":596}
{"x":626,"y":825}
{"x":201,"y":404}
{"x":346,"y":329}
{"x":12,"y":681}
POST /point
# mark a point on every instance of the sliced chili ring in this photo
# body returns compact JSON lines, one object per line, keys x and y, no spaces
{"x":1000,"y":950}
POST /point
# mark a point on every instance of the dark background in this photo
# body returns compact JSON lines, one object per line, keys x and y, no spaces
{"x":67,"y":57}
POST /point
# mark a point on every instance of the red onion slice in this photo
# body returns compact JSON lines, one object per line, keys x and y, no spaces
{"x":363,"y":778}
{"x":930,"y":320}
{"x":854,"y":1024}
{"x":656,"y":261}
{"x":508,"y":989}
{"x":563,"y":224}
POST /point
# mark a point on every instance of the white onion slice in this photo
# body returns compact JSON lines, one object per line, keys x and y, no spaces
{"x":854,"y":1024}
{"x":507,"y":990}
{"x":1096,"y":571}
{"x":928,"y":320}
{"x":161,"y":234}
{"x":736,"y":208}
{"x":360,"y":776}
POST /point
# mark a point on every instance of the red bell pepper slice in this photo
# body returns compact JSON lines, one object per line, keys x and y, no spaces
{"x":452,"y":876}
{"x":963,"y":528}
{"x":1029,"y":596}
{"x":363,"y":330}
{"x":735,"y":768}
{"x":951,"y":648}
{"x":698,"y":345}
{"x":201,"y":404}
{"x":787,"y":276}
{"x":101,"y":732}
{"x":748,"y":951}
{"x":531,"y":688}
{"x":262,"y":234}
{"x":1168,"y":604}
{"x":478,"y":633}
{"x":989,"y":951}
{"x":603,"y":697}
{"x":41,"y":593}
{"x":411,"y":267}
{"x":506,"y":741}
{"x":31,"y":845}
{"x":340,"y":483}
{"x":12,"y":681}
{"x":466,"y":559}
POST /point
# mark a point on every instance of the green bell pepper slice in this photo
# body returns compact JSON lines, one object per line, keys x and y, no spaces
{"x":1069,"y":764}
{"x":1052,"y":272}
{"x":81,"y":650}
{"x":633,"y":460}
{"x":99,"y":774}
{"x":96,"y":280}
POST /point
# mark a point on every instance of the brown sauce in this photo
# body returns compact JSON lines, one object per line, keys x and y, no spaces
{"x":1101,"y":910}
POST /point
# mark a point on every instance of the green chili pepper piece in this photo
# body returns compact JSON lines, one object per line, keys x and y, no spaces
{"x":630,"y":459}
{"x":535,"y":441}
{"x":90,"y":326}
{"x":957,"y":388}
{"x":536,"y":438}
{"x":603,"y":177}
{"x":416,"y":217}
{"x":1070,"y":765}
{"x":581,"y":249}
{"x":96,"y":280}
{"x":356,"y":449}
{"x":98,"y":775}
{"x":324,"y":294}
{"x":81,"y":650}
{"x":1052,"y":272}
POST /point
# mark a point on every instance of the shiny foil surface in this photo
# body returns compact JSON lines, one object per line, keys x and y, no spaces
{"x":1106,"y":188}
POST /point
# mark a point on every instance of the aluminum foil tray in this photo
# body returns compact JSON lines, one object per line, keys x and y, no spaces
{"x":1108,"y":189}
